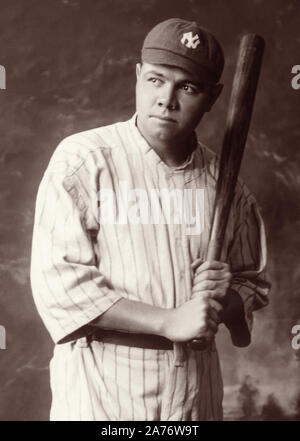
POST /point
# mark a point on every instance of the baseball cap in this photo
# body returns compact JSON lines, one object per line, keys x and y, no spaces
{"x":185,"y":44}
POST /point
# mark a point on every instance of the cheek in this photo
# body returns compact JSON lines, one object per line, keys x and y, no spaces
{"x":192,"y":111}
{"x":143,"y":98}
{"x":191,"y":116}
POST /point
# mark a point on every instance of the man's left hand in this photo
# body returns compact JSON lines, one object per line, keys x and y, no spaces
{"x":211,"y":278}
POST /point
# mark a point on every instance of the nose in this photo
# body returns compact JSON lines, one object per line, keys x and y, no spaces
{"x":168,"y":99}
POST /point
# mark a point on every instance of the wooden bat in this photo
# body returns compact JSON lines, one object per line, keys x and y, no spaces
{"x":237,"y":125}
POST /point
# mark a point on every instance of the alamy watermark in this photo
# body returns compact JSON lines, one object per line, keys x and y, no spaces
{"x":152,"y":206}
{"x":296,"y":339}
{"x":2,"y":77}
{"x":296,"y":79}
{"x":2,"y":337}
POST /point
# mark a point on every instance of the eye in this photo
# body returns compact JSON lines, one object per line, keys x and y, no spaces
{"x":155,"y":80}
{"x":189,"y":88}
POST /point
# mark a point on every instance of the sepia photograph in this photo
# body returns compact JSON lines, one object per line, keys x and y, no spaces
{"x":150,"y":212}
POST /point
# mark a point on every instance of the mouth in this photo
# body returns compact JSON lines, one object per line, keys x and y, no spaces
{"x":163,"y":118}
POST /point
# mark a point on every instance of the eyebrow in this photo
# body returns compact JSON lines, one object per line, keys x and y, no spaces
{"x":154,"y":72}
{"x":183,"y":80}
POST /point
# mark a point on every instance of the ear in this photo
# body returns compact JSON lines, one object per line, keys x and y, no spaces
{"x":138,"y":69}
{"x":215,"y":92}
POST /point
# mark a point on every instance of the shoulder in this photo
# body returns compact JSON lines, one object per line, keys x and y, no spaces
{"x":88,"y":147}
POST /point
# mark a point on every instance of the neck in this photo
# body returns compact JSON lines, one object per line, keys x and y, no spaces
{"x":173,"y":154}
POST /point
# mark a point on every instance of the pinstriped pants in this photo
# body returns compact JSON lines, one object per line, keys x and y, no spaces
{"x":107,"y":382}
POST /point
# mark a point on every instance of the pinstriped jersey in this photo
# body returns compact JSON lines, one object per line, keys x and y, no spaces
{"x":81,"y":265}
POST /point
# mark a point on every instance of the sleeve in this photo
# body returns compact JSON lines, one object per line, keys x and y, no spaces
{"x":68,"y":289}
{"x":247,"y":257}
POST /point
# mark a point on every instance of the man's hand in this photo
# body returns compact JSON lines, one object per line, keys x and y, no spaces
{"x":211,"y":278}
{"x":193,"y":319}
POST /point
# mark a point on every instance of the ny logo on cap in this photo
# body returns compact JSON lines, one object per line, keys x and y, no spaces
{"x":189,"y":41}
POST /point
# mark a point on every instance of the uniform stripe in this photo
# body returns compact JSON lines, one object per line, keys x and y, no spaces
{"x":130,"y":383}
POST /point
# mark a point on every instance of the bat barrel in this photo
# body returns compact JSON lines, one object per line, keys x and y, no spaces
{"x":243,"y":95}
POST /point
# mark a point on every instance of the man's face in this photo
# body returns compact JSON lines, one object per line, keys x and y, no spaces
{"x":170,"y":102}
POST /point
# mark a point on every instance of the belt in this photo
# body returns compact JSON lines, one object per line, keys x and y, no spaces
{"x":145,"y":341}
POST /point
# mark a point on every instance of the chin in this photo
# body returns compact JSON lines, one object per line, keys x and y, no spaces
{"x":163,"y":135}
{"x":162,"y":132}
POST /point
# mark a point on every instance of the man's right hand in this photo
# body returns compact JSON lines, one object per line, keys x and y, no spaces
{"x":194,"y":319}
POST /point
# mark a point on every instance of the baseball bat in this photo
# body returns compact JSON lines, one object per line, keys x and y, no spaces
{"x":237,"y":125}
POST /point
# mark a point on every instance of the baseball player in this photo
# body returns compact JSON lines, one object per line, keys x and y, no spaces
{"x":118,"y":270}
